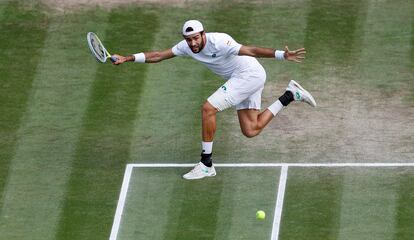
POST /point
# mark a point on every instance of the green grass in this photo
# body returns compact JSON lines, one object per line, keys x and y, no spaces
{"x":68,"y":125}
{"x":177,"y":209}
{"x":352,"y":203}
{"x":320,"y":203}
{"x":311,"y":204}
{"x":16,"y":83}
{"x":105,"y":135}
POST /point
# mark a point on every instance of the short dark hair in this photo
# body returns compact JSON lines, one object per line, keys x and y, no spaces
{"x":189,"y":29}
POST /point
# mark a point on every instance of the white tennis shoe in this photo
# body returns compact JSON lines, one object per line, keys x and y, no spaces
{"x":300,"y":94}
{"x":200,"y":171}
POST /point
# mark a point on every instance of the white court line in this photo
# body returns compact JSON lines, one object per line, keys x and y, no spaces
{"x":129,"y":168}
{"x":279,"y":203}
{"x":121,"y":203}
{"x":167,"y":165}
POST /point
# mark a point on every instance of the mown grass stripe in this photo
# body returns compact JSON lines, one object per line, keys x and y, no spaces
{"x":404,"y":215}
{"x":147,"y":204}
{"x":338,"y":31}
{"x":217,"y":20}
{"x":15,"y":83}
{"x":175,"y":91}
{"x":103,"y":146}
{"x":368,"y":205}
{"x":3,"y":7}
{"x":311,"y":202}
{"x":48,"y":132}
{"x":365,"y":127}
{"x":387,"y":25}
{"x":168,"y":126}
{"x":335,"y":28}
{"x":224,"y":17}
{"x":149,"y":192}
{"x":411,"y":64}
{"x":382,"y":81}
{"x":268,"y":25}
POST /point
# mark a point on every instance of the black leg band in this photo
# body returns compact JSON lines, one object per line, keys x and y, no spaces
{"x":286,"y":98}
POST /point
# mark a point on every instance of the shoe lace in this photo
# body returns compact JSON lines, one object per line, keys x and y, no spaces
{"x":197,"y":168}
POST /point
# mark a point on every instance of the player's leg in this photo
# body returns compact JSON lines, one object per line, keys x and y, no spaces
{"x":233,"y":92}
{"x":208,"y":129}
{"x":252,"y":121}
{"x":218,"y":101}
{"x":208,"y":113}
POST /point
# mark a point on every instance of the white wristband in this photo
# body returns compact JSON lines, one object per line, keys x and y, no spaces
{"x":139,"y":57}
{"x":280,"y":55}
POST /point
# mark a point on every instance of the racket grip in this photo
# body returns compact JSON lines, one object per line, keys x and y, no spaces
{"x":114,"y":59}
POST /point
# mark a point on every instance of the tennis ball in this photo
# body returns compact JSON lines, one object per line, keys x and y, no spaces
{"x":260,"y":215}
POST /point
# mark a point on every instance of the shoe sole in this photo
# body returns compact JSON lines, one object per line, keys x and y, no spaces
{"x":212,"y":175}
{"x":198,"y":177}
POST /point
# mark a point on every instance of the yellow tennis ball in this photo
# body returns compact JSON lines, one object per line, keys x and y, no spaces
{"x":260,"y":215}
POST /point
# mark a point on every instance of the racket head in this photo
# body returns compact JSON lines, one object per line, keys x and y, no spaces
{"x":97,"y":48}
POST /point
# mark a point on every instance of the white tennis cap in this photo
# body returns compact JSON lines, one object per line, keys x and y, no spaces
{"x":191,"y":27}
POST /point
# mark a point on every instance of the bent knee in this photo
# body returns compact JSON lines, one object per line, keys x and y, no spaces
{"x":208,"y":109}
{"x":249,"y":133}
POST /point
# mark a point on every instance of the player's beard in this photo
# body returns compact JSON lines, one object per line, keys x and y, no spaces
{"x":202,"y":44}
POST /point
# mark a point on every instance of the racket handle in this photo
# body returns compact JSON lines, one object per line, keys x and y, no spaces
{"x":114,"y":59}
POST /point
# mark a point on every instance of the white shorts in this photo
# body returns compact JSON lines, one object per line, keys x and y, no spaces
{"x":243,"y":90}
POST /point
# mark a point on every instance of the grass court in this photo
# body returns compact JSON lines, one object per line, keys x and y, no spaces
{"x":73,"y":132}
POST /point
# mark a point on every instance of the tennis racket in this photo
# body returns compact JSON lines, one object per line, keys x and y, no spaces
{"x":97,"y":48}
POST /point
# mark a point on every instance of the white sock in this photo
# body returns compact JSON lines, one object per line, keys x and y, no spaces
{"x":275,"y":107}
{"x":207,"y":147}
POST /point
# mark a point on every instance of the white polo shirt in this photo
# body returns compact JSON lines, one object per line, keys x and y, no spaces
{"x":220,"y":54}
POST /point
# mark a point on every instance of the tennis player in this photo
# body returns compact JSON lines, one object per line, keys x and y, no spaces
{"x":245,"y":78}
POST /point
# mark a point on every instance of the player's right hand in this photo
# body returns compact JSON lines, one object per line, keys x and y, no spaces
{"x":121,"y":59}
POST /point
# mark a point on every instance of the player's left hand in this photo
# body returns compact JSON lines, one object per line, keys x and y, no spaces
{"x":296,"y":56}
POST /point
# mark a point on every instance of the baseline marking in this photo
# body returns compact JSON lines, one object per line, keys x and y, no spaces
{"x":279,"y":203}
{"x":174,"y":165}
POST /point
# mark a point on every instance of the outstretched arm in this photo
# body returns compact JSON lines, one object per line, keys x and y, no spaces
{"x":296,"y":56}
{"x":147,"y":57}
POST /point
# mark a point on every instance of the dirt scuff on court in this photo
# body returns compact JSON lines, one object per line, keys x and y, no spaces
{"x":350,"y":124}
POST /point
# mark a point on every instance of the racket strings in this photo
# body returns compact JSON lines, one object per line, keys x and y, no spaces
{"x":98,"y":48}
